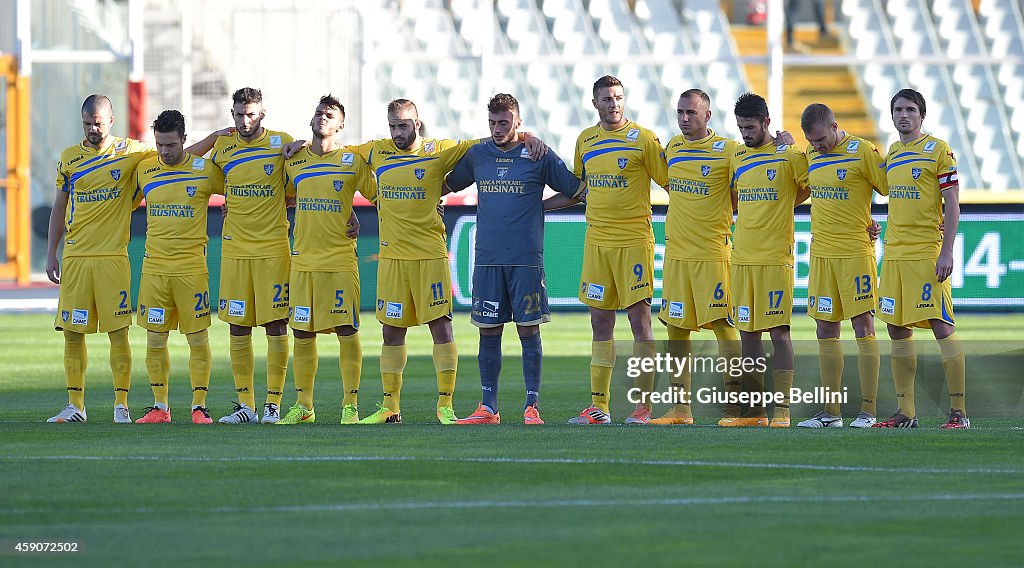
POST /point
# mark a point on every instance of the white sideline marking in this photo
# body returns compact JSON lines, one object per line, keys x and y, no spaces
{"x":580,"y":461}
{"x":524,"y":504}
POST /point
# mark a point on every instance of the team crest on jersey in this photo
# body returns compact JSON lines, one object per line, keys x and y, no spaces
{"x":380,"y":305}
{"x":781,"y":148}
{"x":851,"y":148}
{"x":429,"y":147}
{"x":156,"y":316}
{"x":347,"y":158}
{"x":64,"y":315}
{"x":633,"y":134}
{"x":420,"y":172}
{"x":929,"y":147}
{"x":718,"y":146}
{"x":198,"y":163}
{"x":705,"y":170}
{"x":338,"y":184}
{"x":915,"y":172}
{"x":771,"y":175}
{"x":268,"y":168}
{"x":275,"y":141}
{"x":841,"y":174}
{"x":810,"y":302}
{"x":190,"y":190}
{"x":223,"y":305}
{"x":502,"y":172}
{"x":116,"y":174}
{"x":623,"y":162}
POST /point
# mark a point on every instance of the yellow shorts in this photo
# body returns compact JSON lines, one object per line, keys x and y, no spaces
{"x":762,"y":296}
{"x":174,"y":302}
{"x":253,"y":291}
{"x":695,"y":293}
{"x":909,"y":294}
{"x":841,"y":288}
{"x":614,"y":278}
{"x":94,"y":294}
{"x":413,"y":292}
{"x":323,"y":301}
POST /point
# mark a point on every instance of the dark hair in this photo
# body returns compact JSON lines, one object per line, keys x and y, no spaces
{"x":95,"y":103}
{"x":698,"y":94}
{"x":912,"y":96}
{"x":330,"y":101}
{"x":503,"y":102}
{"x":399,"y":104}
{"x":606,"y":82}
{"x":247,"y":96}
{"x":170,"y":121}
{"x":816,"y":113}
{"x":750,"y":105}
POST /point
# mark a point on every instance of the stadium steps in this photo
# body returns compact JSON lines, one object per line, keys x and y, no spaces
{"x":835,"y":86}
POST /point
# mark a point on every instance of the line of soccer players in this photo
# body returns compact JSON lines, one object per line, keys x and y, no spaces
{"x":713,"y":278}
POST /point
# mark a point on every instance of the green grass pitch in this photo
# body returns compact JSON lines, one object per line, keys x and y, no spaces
{"x":425,"y":494}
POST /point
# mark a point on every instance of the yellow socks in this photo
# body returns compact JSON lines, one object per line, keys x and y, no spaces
{"x":953,"y":364}
{"x":830,"y":364}
{"x":446,"y":362}
{"x":645,"y":381}
{"x":277,"y":367}
{"x":729,"y":349}
{"x":679,"y":346}
{"x":867,"y":366}
{"x":120,"y":364}
{"x":304,"y":367}
{"x":200,"y":361}
{"x":158,"y":364}
{"x":754,"y":382}
{"x":602,"y":362}
{"x":392,"y":364}
{"x":75,"y":362}
{"x":350,"y":359}
{"x":904,"y":367}
{"x":243,"y":366}
{"x":783,"y":382}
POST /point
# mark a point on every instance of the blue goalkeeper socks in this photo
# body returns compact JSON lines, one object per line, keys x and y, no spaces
{"x":489,"y":360}
{"x":532,"y":353}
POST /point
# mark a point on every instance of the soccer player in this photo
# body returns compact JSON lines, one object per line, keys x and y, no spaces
{"x":769,"y":181}
{"x":175,"y":288}
{"x":696,"y":286}
{"x":508,"y":274}
{"x":94,"y":177}
{"x":255,"y":266}
{"x":324,"y":283}
{"x":842,"y":171}
{"x":914,"y":289}
{"x":617,"y":159}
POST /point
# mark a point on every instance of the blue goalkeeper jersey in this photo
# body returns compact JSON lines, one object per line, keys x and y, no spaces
{"x":510,"y":209}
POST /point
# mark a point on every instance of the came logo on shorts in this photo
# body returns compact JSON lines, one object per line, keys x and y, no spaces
{"x":824,"y":305}
{"x":79,"y":317}
{"x":887,"y":305}
{"x":301,"y":314}
{"x":236,"y":308}
{"x":675,"y":310}
{"x":743,"y":314}
{"x":394,"y":310}
{"x":156,"y":316}
{"x":595,"y":292}
{"x":489,"y":309}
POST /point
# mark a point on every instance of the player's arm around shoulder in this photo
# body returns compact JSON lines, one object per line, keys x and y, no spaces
{"x":874,"y":166}
{"x":655,"y":159}
{"x":799,"y":164}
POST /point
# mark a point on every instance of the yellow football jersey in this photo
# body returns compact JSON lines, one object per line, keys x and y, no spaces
{"x":409,"y":186}
{"x":699,"y":198}
{"x":100,"y":196}
{"x":918,"y":173}
{"x":256,"y":225}
{"x":177,"y":200}
{"x":323,"y":188}
{"x":841,"y":182}
{"x":618,"y":167}
{"x":766,"y":180}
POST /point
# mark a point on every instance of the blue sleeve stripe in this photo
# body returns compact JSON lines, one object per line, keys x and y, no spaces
{"x":93,"y":159}
{"x":818,"y":165}
{"x":299,"y":178}
{"x":904,"y":162}
{"x":155,"y":184}
{"x":231,"y":165}
{"x":382,"y":169}
{"x":78,"y":175}
{"x":678,"y":159}
{"x":745,"y":168}
{"x":596,"y":153}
